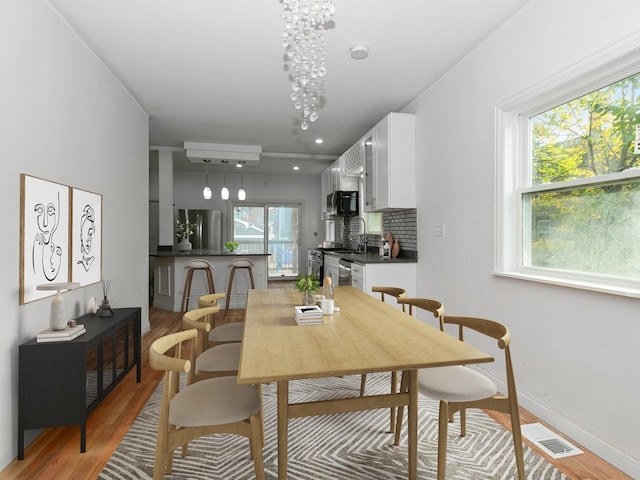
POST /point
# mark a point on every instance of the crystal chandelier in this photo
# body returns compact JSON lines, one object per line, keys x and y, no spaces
{"x":303,"y":40}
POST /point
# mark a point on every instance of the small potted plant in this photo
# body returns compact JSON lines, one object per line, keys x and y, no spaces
{"x":231,"y":246}
{"x":308,"y":285}
{"x":183,"y":231}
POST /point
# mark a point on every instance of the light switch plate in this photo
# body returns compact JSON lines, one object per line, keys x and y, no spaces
{"x":438,"y":230}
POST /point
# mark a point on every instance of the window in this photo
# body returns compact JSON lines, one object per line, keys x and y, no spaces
{"x":569,"y":183}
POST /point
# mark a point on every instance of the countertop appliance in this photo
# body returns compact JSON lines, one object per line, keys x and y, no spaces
{"x":207,"y":234}
{"x":342,"y":203}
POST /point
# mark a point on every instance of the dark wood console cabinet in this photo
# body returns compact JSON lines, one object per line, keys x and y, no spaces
{"x":60,"y":383}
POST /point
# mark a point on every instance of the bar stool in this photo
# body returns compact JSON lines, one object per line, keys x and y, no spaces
{"x":225,"y":333}
{"x":192,"y":266}
{"x":238,"y":263}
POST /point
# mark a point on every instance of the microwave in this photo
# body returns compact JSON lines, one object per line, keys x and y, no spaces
{"x":342,"y":203}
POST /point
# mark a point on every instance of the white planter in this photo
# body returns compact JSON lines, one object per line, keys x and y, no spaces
{"x":184,"y":245}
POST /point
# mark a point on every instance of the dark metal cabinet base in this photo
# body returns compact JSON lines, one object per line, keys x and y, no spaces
{"x":60,"y":383}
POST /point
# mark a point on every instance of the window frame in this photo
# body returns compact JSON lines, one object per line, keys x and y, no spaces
{"x":513,"y":172}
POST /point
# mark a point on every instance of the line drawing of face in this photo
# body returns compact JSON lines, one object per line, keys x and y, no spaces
{"x":47,"y":220}
{"x":87,"y":230}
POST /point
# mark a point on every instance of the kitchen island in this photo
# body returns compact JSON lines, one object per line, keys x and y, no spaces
{"x":169,"y":275}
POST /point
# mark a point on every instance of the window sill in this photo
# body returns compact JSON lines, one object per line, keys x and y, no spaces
{"x":622,"y":289}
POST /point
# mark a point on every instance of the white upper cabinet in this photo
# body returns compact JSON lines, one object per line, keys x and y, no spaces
{"x":389,"y":163}
{"x":353,"y":161}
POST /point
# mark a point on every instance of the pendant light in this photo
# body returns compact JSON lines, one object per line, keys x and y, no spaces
{"x":224,"y":193}
{"x":242,"y":195}
{"x":206,"y":191}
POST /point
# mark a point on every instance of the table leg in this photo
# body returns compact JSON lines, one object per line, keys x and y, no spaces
{"x":283,"y":428}
{"x":412,"y":424}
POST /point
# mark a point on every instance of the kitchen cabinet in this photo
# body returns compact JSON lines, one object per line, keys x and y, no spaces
{"x":60,"y":383}
{"x":353,"y":160}
{"x":389,"y":163}
{"x":358,"y":276}
{"x":401,"y":275}
{"x":332,"y":269}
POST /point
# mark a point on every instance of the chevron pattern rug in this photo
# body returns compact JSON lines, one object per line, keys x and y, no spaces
{"x":350,"y":446}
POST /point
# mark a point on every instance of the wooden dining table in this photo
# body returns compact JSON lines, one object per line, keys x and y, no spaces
{"x":364,"y":336}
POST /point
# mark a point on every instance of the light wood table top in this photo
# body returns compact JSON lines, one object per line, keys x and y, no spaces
{"x":365,"y":336}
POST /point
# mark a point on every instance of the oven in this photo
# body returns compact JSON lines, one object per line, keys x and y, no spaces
{"x":316,"y":264}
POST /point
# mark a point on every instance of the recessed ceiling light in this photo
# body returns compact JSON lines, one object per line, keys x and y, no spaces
{"x":319,"y":141}
{"x":358,"y":52}
{"x":295,"y":167}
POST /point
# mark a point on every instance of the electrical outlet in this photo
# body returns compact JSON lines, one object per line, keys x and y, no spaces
{"x":438,"y":230}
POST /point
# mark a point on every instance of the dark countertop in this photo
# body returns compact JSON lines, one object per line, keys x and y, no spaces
{"x":371,"y":257}
{"x":206,"y":253}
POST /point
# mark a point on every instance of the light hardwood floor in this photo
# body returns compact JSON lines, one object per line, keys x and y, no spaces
{"x":55,"y":454}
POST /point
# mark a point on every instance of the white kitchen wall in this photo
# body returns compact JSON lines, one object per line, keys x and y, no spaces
{"x":575,"y":352}
{"x":65,"y":118}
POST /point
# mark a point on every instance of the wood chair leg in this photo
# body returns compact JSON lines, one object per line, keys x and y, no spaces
{"x":363,"y":384}
{"x":212,"y":287}
{"x":229,"y":286}
{"x":253,"y":285}
{"x":187,"y":290}
{"x":255,"y":442}
{"x":394,"y":389}
{"x":443,"y":427}
{"x":517,"y":439}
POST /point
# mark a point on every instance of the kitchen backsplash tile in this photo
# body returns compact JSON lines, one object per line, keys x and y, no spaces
{"x":401,"y":223}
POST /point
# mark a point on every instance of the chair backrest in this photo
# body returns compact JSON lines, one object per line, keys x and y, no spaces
{"x":202,"y":320}
{"x":210,"y":300}
{"x":392,"y":291}
{"x":492,"y":329}
{"x":433,"y":306}
{"x":174,"y":364}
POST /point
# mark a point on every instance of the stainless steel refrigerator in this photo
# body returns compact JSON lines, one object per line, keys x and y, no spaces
{"x":208,"y":230}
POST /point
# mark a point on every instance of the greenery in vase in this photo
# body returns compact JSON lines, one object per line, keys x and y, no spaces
{"x":307,"y":283}
{"x":231,"y":246}
{"x":184,"y":230}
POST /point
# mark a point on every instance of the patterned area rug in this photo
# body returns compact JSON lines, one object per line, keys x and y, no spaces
{"x":346,"y":446}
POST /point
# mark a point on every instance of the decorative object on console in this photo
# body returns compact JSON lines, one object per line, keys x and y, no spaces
{"x":92,"y":306}
{"x":65,"y":335}
{"x":57,"y":320}
{"x":105,"y":307}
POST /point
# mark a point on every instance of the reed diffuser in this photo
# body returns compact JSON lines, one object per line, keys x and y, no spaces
{"x":105,"y":307}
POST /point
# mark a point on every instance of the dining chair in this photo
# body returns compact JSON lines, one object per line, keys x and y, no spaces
{"x":459,"y":388}
{"x":221,"y":360}
{"x":225,"y":333}
{"x":214,"y":405}
{"x":397,"y":293}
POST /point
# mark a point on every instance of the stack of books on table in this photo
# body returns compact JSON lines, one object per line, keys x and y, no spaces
{"x":308,"y":315}
{"x":65,"y":335}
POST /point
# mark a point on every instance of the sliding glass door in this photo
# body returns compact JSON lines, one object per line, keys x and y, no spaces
{"x":273,"y":228}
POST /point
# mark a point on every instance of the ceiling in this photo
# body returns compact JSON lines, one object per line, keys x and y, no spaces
{"x":214,"y":70}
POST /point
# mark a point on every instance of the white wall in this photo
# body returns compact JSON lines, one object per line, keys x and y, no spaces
{"x":302,"y":189}
{"x":575,"y":352}
{"x":65,"y":118}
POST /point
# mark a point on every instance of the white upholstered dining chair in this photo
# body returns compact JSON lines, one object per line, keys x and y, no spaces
{"x":214,"y":405}
{"x":459,"y":388}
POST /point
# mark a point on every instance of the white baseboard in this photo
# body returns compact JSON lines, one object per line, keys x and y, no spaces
{"x":575,"y":432}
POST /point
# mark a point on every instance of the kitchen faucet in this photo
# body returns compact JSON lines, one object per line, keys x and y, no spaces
{"x":364,"y":231}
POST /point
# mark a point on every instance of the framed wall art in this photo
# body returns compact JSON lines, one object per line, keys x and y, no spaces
{"x":44,"y":236}
{"x":86,"y":237}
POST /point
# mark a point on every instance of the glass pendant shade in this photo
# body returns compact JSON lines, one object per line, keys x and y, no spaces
{"x":206,"y":191}
{"x":242,"y":195}
{"x":224,"y":193}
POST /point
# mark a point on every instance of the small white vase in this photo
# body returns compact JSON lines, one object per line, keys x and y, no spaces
{"x":184,"y":245}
